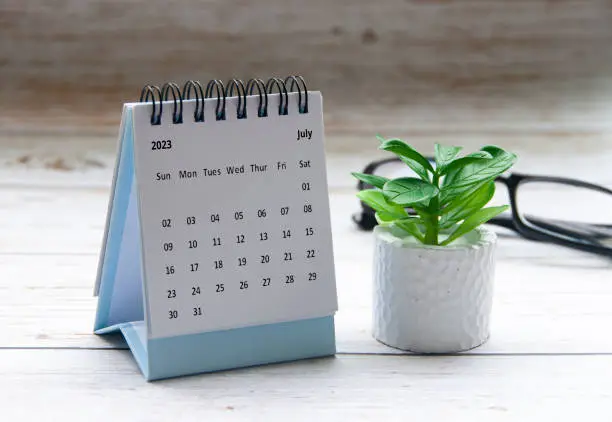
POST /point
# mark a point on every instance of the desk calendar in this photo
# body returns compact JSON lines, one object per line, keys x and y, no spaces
{"x":217,"y":251}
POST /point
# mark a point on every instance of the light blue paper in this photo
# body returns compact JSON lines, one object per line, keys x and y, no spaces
{"x":120,"y":294}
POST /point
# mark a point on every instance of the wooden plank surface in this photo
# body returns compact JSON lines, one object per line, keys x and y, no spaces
{"x":97,"y":49}
{"x":46,"y":301}
{"x":548,"y":357}
{"x":52,"y":224}
{"x":489,"y":69}
{"x":105,"y":385}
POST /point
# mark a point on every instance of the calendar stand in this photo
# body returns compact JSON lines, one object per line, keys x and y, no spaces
{"x":124,"y":290}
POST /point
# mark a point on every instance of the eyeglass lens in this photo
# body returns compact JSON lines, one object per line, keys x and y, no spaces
{"x":565,"y":209}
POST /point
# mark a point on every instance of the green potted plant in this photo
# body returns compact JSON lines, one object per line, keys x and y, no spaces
{"x":434,"y":261}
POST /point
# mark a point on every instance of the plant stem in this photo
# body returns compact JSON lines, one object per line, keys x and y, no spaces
{"x":433,"y":226}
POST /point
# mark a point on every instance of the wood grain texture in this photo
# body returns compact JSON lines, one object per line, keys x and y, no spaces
{"x":412,"y":68}
{"x":549,"y":356}
{"x":106,"y":385}
{"x":46,"y":301}
{"x":52,"y":224}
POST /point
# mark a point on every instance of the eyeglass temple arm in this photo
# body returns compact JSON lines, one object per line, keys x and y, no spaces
{"x":592,"y":232}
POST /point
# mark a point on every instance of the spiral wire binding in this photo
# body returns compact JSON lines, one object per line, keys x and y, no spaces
{"x":151,"y":90}
{"x":198,"y":91}
{"x":241,"y":109}
{"x":262,"y":107}
{"x":177,"y":113}
{"x":216,"y":88}
{"x":282,"y":98}
{"x":220,"y":110}
{"x":303,"y":108}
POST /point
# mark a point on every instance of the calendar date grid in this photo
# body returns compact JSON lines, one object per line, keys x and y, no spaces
{"x":215,"y":253}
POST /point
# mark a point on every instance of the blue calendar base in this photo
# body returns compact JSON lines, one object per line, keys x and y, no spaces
{"x":228,"y":349}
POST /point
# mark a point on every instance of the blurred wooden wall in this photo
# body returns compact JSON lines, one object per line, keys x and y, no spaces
{"x":402,"y":65}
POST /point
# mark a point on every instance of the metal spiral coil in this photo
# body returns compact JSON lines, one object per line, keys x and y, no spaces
{"x":255,"y":90}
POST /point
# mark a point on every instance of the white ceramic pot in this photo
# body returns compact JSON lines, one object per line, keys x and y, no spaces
{"x":433,"y":299}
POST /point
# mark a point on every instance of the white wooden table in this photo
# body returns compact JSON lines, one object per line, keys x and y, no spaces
{"x":549,"y":357}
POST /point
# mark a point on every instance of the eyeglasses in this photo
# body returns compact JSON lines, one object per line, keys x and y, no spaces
{"x":563,"y":211}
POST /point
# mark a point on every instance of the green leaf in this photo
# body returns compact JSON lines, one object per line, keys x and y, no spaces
{"x":475,"y":174}
{"x":460,"y":200}
{"x":417,"y":168}
{"x":376,"y":199}
{"x":457,"y":164}
{"x":402,"y":149}
{"x":493,"y":150}
{"x":454,"y":170}
{"x":473,"y":221}
{"x":462,"y":162}
{"x":383,"y":218}
{"x":480,"y":154}
{"x":486,"y":189}
{"x":409,"y":190}
{"x":465,"y":205}
{"x":370,"y":179}
{"x":444,"y":155}
{"x":410,"y":226}
{"x":484,"y":169}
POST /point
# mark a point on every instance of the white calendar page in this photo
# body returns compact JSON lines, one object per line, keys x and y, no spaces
{"x":234,"y":217}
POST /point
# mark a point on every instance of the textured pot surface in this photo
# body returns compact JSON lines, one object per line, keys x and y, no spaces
{"x":431,"y":299}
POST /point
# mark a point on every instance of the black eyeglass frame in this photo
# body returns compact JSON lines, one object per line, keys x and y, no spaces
{"x":542,"y":230}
